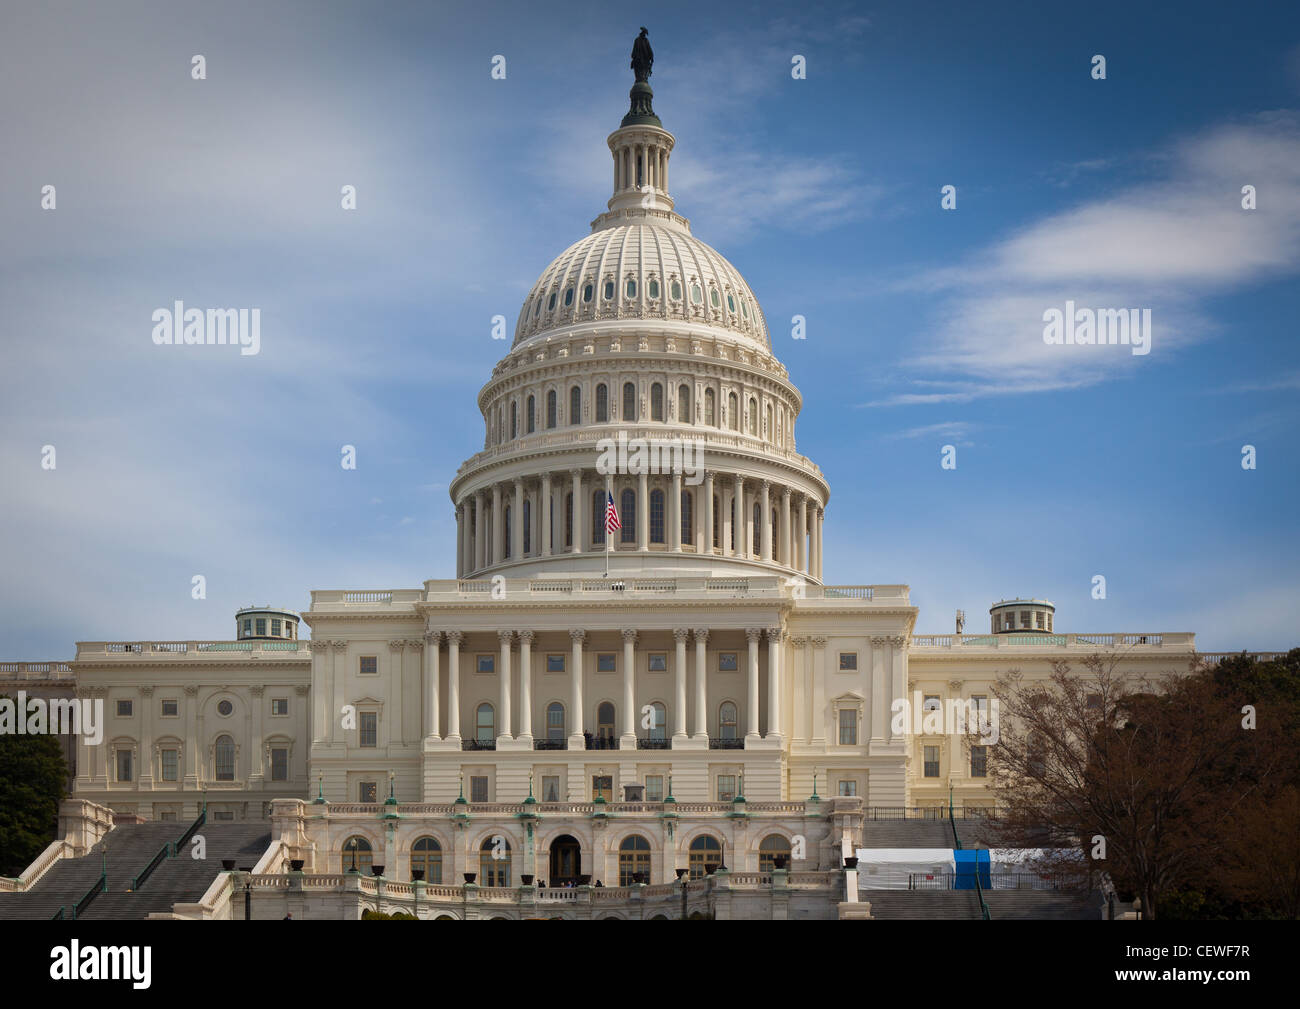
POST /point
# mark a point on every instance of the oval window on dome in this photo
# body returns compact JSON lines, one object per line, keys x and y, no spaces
{"x":551,"y":303}
{"x":631,"y":288}
{"x":676,"y":291}
{"x":587,"y":293}
{"x":653,"y":288}
{"x":609,"y":290}
{"x":713,"y":297}
{"x":696,"y":295}
{"x":568,"y":297}
{"x":731,"y":304}
{"x":744,"y":308}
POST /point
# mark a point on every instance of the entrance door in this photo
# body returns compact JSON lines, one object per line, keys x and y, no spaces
{"x":566,"y":860}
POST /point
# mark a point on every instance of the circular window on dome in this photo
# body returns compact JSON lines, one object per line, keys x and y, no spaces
{"x":713,"y":297}
{"x":676,"y":291}
{"x":551,"y":303}
{"x":609,"y":290}
{"x":631,"y":288}
{"x":696,"y":294}
{"x":224,"y":708}
{"x":731,"y":304}
{"x":653,"y":288}
{"x":587,"y":293}
{"x":568,"y":297}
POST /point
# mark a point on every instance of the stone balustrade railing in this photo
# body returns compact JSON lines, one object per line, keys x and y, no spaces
{"x":1031,"y":639}
{"x":212,"y":650}
{"x":36,"y":671}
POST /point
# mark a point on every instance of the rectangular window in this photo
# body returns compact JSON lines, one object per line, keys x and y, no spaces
{"x":602,"y":787}
{"x":979,"y":761}
{"x":369,"y":728}
{"x":123,"y":765}
{"x":478,"y":788}
{"x":550,"y":788}
{"x":1038,"y":619}
{"x":658,"y":662}
{"x":487,"y":664}
{"x":275,"y":627}
{"x":167,"y":817}
{"x":124,"y":709}
{"x":727,"y":662}
{"x":170,"y":764}
{"x":279,"y":705}
{"x":170,"y":708}
{"x":223,"y":816}
{"x":279,"y":764}
{"x":1024,"y":619}
{"x":606,"y":662}
{"x":726,"y":787}
{"x":848,"y":661}
{"x":369,"y":664}
{"x":248,"y":626}
{"x":367,"y":791}
{"x":261,"y":627}
{"x":1094,"y":702}
{"x":555,"y":663}
{"x":848,"y":727}
{"x":654,"y":788}
{"x":932,"y":761}
{"x":848,"y":788}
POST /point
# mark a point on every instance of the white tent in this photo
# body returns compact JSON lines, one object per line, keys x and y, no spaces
{"x":904,"y":868}
{"x":1023,"y":868}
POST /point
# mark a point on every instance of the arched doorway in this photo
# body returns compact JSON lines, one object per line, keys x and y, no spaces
{"x":566,"y":860}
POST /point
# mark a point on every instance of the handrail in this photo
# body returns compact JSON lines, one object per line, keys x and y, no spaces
{"x":154,"y":862}
{"x":59,"y":915}
{"x":100,"y":886}
{"x":199,"y":821}
{"x":979,"y":890}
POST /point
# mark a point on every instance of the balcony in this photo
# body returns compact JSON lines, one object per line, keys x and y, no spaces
{"x":602,"y":742}
{"x":478,"y":744}
{"x":654,"y":744}
{"x":550,"y":744}
{"x":716,"y":743}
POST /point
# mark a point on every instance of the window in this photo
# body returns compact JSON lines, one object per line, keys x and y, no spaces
{"x":568,"y":297}
{"x":279,"y":763}
{"x":426,"y":857}
{"x":224,"y":708}
{"x":716,"y":522}
{"x":656,"y":401}
{"x":555,"y":722}
{"x":587,"y":292}
{"x":602,"y":787}
{"x":652,"y":287}
{"x":568,"y":519}
{"x":494,"y":861}
{"x":979,"y":761}
{"x":654,"y":788}
{"x":848,"y":727}
{"x":514,"y":420}
{"x":753,"y":416}
{"x":696,"y":295}
{"x":550,"y":302}
{"x":369,"y":729}
{"x":550,"y":409}
{"x":710,"y":416}
{"x":575,"y":405}
{"x":555,"y":663}
{"x":609,"y":290}
{"x":530,"y":414}
{"x":1038,"y":619}
{"x":248,"y":626}
{"x":279,"y":705}
{"x":684,"y":404}
{"x":485,"y":723}
{"x":357,"y":854}
{"x":727,"y":662}
{"x":848,"y":661}
{"x":733,"y":412}
{"x":598,"y":517}
{"x":931,"y":703}
{"x":756,"y":534}
{"x":1024,"y":619}
{"x":486,"y":663}
{"x":771,"y":848}
{"x":223,"y":816}
{"x":705,"y":854}
{"x":726,"y":787}
{"x":631,"y":288}
{"x":656,"y":516}
{"x":688,"y":518}
{"x":727,"y":720}
{"x":369,"y":664}
{"x":629,"y":401}
{"x":606,"y":662}
{"x":731,"y":304}
{"x":225,"y":759}
{"x":550,"y":788}
{"x":478,"y":788}
{"x":1093,"y":702}
{"x":633,"y":860}
{"x":605,"y":723}
{"x":767,"y":423}
{"x":124,"y":709}
{"x":628,"y":517}
{"x":675,"y":290}
{"x":658,"y":720}
{"x":848,"y":788}
{"x":658,"y":662}
{"x":124,"y":765}
{"x":713,"y":297}
{"x":602,"y":403}
{"x":261,"y":627}
{"x":931,"y":761}
{"x":167,"y":816}
{"x":170,"y":764}
{"x":275,"y":627}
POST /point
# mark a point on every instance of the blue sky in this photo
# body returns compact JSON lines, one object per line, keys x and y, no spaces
{"x":924,"y":325}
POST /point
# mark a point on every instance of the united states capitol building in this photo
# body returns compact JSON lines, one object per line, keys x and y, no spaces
{"x":680,"y":696}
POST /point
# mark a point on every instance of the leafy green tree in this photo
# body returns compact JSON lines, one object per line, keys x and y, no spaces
{"x":32,"y":775}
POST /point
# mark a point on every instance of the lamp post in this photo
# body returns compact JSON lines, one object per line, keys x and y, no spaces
{"x":248,"y":892}
{"x":681,"y":878}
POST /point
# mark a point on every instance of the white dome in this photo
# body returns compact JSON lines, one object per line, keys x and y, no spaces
{"x":648,"y":269}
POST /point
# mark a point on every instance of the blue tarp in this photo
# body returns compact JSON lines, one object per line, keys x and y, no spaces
{"x":969,"y":861}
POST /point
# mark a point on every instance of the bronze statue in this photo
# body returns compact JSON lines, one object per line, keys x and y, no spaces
{"x":643,"y":57}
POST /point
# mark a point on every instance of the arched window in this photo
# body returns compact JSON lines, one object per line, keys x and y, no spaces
{"x":528,"y":528}
{"x":627,"y":516}
{"x":575,"y":404}
{"x":767,"y":423}
{"x":225,"y":759}
{"x":485,"y":722}
{"x":605,"y":724}
{"x":633,"y":860}
{"x":733,"y":412}
{"x":514,"y":419}
{"x":710,"y":411}
{"x":717,"y":523}
{"x":772,"y":847}
{"x":550,"y":409}
{"x":656,"y":401}
{"x":631,"y":283}
{"x":358,"y":856}
{"x":776,"y":535}
{"x":629,"y":401}
{"x":659,"y":716}
{"x":587,"y":293}
{"x":494,"y":861}
{"x":598,"y":517}
{"x":609,"y":290}
{"x":426,"y":854}
{"x":684,"y":415}
{"x":727,"y":720}
{"x":602,"y":403}
{"x":656,"y":516}
{"x":757,"y":536}
{"x":705,"y":853}
{"x":532,"y":415}
{"x":688,"y":518}
{"x":753,"y":415}
{"x":568,"y":519}
{"x":505,"y":538}
{"x":555,"y":722}
{"x":652,"y":289}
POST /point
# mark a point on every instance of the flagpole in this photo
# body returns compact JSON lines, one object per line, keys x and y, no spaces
{"x":607,"y":532}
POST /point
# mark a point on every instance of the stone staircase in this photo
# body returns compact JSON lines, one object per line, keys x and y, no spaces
{"x":928,"y":905}
{"x":920,"y":833}
{"x":1004,"y":905}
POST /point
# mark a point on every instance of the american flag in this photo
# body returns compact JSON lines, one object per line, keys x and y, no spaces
{"x":611,"y":515}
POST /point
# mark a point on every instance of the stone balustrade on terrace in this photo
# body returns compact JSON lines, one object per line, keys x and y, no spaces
{"x":216,"y":651}
{"x":1181,"y":642}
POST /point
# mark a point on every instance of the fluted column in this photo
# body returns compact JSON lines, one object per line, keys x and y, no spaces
{"x":765,"y":534}
{"x":801,"y":541}
{"x":517,"y":522}
{"x":675,"y":514}
{"x":727,"y":517}
{"x":503,"y":729}
{"x":628,"y":741}
{"x":643,"y":511}
{"x":739,"y":518}
{"x":547,"y":523}
{"x":579,"y":528}
{"x":701,"y":678}
{"x":821,"y":516}
{"x":752,"y":634}
{"x":526,"y":686}
{"x":480,"y":530}
{"x":144,"y":773}
{"x":775,"y":646}
{"x":707,"y":545}
{"x":453,"y":684}
{"x":578,"y":720}
{"x":432,"y":643}
{"x":498,"y":527}
{"x":679,"y":684}
{"x":786,"y":558}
